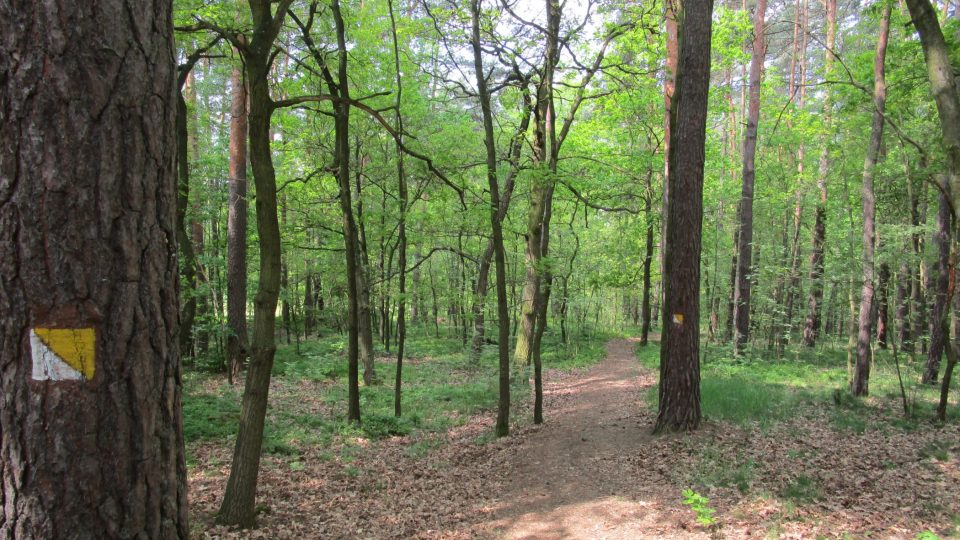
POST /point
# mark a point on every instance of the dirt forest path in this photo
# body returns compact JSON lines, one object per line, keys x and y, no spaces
{"x":567,"y":479}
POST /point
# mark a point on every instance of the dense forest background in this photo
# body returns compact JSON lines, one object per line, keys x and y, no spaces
{"x":492,"y":176}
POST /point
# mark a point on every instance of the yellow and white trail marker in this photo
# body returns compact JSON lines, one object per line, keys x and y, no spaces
{"x":63,"y":354}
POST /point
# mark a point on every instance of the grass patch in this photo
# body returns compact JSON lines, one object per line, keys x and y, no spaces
{"x":802,"y":490}
{"x":937,"y":450}
{"x":442,"y":388}
{"x":752,"y":390}
{"x":714,"y":469}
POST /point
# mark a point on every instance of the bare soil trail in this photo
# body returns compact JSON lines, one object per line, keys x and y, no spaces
{"x":568,"y":480}
{"x":594,"y":471}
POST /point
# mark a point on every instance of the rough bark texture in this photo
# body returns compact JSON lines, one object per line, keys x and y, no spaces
{"x":679,"y":407}
{"x":741,"y":295}
{"x":238,"y":506}
{"x":541,"y":195}
{"x":811,"y":328}
{"x":237,"y":229}
{"x":860,"y":386}
{"x":88,"y":241}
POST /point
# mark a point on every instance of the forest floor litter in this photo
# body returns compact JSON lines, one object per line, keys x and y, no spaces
{"x":593,"y":470}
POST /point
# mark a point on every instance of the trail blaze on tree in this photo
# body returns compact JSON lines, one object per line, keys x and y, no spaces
{"x":88,"y":267}
{"x":680,"y":339}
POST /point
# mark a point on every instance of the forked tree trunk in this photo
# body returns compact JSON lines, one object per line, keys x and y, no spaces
{"x":92,"y":442}
{"x":860,"y":385}
{"x":679,"y":394}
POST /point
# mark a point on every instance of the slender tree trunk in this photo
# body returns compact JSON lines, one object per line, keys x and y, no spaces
{"x":647,"y":261}
{"x":483,"y":270}
{"x":503,"y":408}
{"x":402,"y":225}
{"x":362,"y":277}
{"x":883,"y":305}
{"x":188,"y":261}
{"x":679,"y":395}
{"x":903,"y":304}
{"x":237,"y":229}
{"x":351,"y":240}
{"x":89,"y":350}
{"x":942,"y":239}
{"x":812,"y":325}
{"x":741,"y":296}
{"x":859,"y":386}
{"x":238,"y":506}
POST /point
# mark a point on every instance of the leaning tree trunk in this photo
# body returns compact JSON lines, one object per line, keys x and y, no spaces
{"x":238,"y":506}
{"x":811,"y":327}
{"x":92,"y":442}
{"x":741,"y":295}
{"x":679,"y":407}
{"x":860,"y":385}
{"x":237,"y":230}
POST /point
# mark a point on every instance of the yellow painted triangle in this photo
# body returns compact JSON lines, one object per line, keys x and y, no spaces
{"x":75,"y":346}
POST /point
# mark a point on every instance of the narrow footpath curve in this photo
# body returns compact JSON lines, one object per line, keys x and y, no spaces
{"x":568,"y":478}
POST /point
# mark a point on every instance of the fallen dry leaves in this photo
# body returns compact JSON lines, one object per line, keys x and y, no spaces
{"x":594,"y":471}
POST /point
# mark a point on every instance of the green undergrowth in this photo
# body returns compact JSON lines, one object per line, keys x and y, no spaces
{"x":757,"y":390}
{"x":442,"y":388}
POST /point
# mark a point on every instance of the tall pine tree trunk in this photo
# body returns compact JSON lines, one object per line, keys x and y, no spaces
{"x":679,"y":395}
{"x":237,"y":229}
{"x":92,"y":443}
